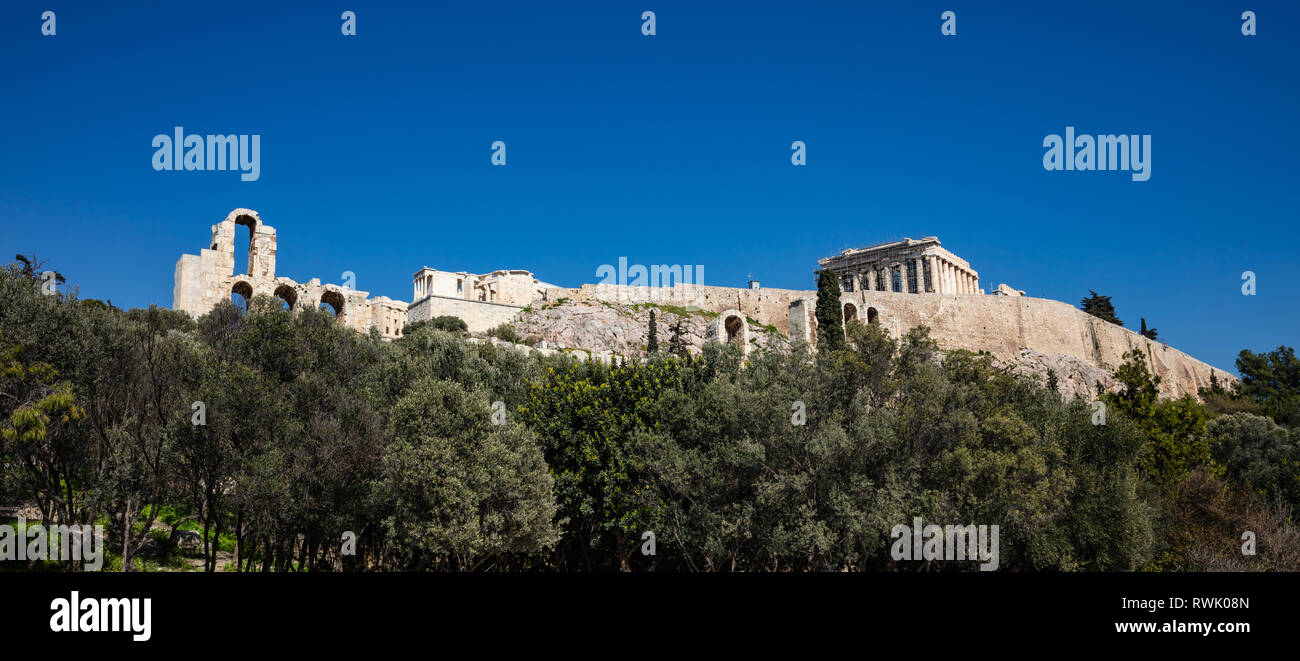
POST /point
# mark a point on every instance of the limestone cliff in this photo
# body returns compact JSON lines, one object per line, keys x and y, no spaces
{"x":1031,"y":336}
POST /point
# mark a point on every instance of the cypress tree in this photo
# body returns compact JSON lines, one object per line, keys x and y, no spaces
{"x":652,"y":345}
{"x":830,"y":316}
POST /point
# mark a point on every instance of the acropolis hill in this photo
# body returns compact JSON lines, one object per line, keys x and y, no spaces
{"x":898,"y":285}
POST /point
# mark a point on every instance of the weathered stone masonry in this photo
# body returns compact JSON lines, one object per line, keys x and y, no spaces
{"x":899,"y":285}
{"x":909,"y":266}
{"x":203,"y":280}
{"x":482,"y":301}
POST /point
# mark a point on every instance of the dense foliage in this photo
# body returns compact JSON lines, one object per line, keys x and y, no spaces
{"x":1100,"y":307}
{"x":828,"y":312}
{"x":273,"y":434}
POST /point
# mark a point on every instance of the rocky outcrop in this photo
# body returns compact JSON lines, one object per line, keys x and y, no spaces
{"x":1074,"y":377}
{"x":623,"y":329}
{"x":602,"y":330}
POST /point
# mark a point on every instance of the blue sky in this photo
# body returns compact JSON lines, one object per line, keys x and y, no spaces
{"x":375,"y":148}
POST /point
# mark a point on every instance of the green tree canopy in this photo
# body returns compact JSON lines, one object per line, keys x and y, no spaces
{"x":830,"y":314}
{"x":1100,"y":307}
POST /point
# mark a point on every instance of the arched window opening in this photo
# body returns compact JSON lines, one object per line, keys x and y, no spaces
{"x":333,"y":301}
{"x":241,"y":294}
{"x":245,"y":228}
{"x":733,"y":326}
{"x":287,"y":296}
{"x":850,"y":313}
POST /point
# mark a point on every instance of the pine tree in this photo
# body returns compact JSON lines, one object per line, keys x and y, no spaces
{"x":1100,"y":307}
{"x":830,"y":316}
{"x":652,"y":345}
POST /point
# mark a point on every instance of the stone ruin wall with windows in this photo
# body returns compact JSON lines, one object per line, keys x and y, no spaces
{"x":203,"y":280}
{"x":483,"y":301}
{"x":899,"y":285}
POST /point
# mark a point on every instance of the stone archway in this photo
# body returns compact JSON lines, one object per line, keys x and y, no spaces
{"x":873,"y":316}
{"x":850,"y":313}
{"x":733,"y":326}
{"x":288,"y":295}
{"x":250,"y":222}
{"x":244,"y":290}
{"x":260,"y":265}
{"x":336,"y":302}
{"x":730,"y":327}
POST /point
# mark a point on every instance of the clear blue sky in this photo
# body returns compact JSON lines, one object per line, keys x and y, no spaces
{"x":674,"y":148}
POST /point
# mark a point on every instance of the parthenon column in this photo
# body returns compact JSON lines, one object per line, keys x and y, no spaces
{"x":902,"y":277}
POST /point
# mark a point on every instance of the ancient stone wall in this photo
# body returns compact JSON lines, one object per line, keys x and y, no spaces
{"x":730,"y":328}
{"x":1003,"y":325}
{"x":1009,"y":326}
{"x":767,"y":306}
{"x":479,"y":316}
{"x":623,"y":330}
{"x":201,"y":281}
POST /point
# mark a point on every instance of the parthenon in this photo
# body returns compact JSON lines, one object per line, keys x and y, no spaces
{"x":910,"y":266}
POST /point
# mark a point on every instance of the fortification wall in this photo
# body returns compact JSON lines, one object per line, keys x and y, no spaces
{"x":1003,"y":325}
{"x":1000,"y":325}
{"x":479,"y":316}
{"x":767,"y":306}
